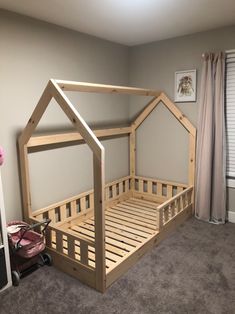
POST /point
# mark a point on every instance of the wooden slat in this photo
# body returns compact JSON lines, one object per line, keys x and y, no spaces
{"x":126,"y":218}
{"x":169,"y":191}
{"x":116,"y":230}
{"x":124,"y":224}
{"x":141,"y":186}
{"x":83,"y":204}
{"x":84,"y":252}
{"x":120,"y":188}
{"x":63,"y":213}
{"x":144,"y":202}
{"x":159,"y":188}
{"x":109,"y":232}
{"x":149,"y":187}
{"x":73,"y":207}
{"x":71,"y":247}
{"x":109,"y":241}
{"x":133,"y":212}
{"x":144,"y":206}
{"x":51,"y":215}
{"x":114,"y":190}
{"x":59,"y":242}
{"x":126,"y":185}
{"x":102,"y":88}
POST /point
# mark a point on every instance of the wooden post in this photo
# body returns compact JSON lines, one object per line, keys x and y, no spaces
{"x":191,"y":164}
{"x":99,"y":210}
{"x":25,"y":184}
{"x":132,"y":158}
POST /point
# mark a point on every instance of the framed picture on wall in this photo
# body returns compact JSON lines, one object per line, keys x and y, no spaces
{"x":185,"y":86}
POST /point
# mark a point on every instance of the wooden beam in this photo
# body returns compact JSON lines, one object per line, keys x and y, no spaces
{"x":192,"y":165}
{"x":36,"y":116}
{"x":99,"y":210}
{"x":147,"y":110}
{"x":79,"y":123}
{"x":41,"y":140}
{"x":178,"y":114}
{"x":192,"y":159}
{"x":102,"y":88}
{"x":132,"y":145}
{"x":25,"y":183}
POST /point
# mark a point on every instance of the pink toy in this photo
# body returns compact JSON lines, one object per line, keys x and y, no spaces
{"x":1,"y":155}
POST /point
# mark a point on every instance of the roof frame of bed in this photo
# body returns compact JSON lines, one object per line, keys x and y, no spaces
{"x":55,"y":89}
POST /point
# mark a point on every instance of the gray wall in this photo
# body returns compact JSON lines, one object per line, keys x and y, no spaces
{"x":153,"y":65}
{"x":31,"y":53}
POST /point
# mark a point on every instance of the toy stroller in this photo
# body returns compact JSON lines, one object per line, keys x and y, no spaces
{"x":26,"y":248}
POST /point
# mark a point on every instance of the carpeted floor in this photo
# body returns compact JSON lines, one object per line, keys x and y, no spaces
{"x":192,"y":271}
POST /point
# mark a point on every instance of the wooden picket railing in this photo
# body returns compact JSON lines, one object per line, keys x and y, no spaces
{"x":60,"y":237}
{"x":157,"y":189}
{"x":74,"y":247}
{"x":116,"y":190}
{"x":68,"y":209}
{"x":78,"y":207}
{"x":81,"y":205}
{"x":169,"y":209}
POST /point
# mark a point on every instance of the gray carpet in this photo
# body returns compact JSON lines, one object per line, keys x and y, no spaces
{"x":192,"y":271}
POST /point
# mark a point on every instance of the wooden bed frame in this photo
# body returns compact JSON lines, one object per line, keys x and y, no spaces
{"x":97,"y":235}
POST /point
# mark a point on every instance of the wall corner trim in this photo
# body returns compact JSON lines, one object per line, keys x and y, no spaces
{"x":231,"y":216}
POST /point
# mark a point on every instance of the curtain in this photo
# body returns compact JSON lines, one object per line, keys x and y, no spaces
{"x":210,"y":193}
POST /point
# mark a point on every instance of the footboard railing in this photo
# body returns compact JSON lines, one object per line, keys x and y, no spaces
{"x":69,"y":245}
{"x":169,"y":209}
{"x":157,"y":189}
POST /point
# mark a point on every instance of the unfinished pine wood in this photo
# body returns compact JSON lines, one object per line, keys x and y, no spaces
{"x":192,"y":163}
{"x":36,"y":115}
{"x":126,"y":228}
{"x":132,"y":149}
{"x":130,"y":225}
{"x":79,"y":123}
{"x":99,"y":201}
{"x":85,"y":239}
{"x":101,"y":88}
{"x":25,"y":182}
{"x":41,"y":140}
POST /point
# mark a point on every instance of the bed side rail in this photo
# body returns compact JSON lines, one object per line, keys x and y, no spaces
{"x":82,"y":205}
{"x":169,"y":209}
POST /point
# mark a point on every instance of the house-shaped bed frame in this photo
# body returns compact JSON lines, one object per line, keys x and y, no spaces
{"x":97,"y":235}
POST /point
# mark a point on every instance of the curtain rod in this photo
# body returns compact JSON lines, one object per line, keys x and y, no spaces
{"x":226,"y":51}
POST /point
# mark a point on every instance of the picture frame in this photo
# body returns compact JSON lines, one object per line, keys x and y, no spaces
{"x":185,"y":86}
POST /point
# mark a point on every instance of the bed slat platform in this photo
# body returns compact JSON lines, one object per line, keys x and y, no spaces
{"x":98,"y":235}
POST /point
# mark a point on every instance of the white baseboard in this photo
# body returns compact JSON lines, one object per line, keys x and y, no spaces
{"x":231,"y":216}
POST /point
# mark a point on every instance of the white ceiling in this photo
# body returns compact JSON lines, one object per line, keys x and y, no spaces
{"x":130,"y":22}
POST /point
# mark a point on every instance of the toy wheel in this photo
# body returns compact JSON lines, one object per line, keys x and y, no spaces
{"x":15,"y":278}
{"x":47,"y":259}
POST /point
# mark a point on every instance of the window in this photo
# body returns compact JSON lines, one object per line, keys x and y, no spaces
{"x":230,"y":116}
